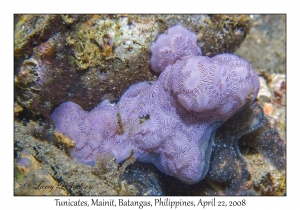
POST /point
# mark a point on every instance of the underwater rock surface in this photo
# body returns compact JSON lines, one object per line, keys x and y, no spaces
{"x":265,"y":45}
{"x":253,"y":170}
{"x":170,"y":122}
{"x":52,"y":47}
{"x":90,"y":58}
{"x":248,"y":158}
{"x":74,"y":178}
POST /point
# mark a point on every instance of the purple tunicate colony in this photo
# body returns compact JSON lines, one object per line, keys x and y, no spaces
{"x":168,"y":123}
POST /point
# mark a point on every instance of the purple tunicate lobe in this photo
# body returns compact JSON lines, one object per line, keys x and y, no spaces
{"x":169,"y":123}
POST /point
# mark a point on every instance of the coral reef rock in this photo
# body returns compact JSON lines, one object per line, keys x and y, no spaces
{"x":265,"y":46}
{"x":170,"y":122}
{"x":248,"y":158}
{"x":89,"y":58}
{"x":51,"y":167}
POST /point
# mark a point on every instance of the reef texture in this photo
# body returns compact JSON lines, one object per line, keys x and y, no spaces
{"x":248,"y":158}
{"x":265,"y":45}
{"x":34,"y":176}
{"x":38,"y":182}
{"x":170,"y":122}
{"x":252,"y":169}
{"x":90,"y":58}
{"x":53,"y":41}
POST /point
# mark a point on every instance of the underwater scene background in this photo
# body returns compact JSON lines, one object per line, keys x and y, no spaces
{"x":90,"y":59}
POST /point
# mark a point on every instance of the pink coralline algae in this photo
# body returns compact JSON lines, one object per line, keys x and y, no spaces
{"x":171,"y":122}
